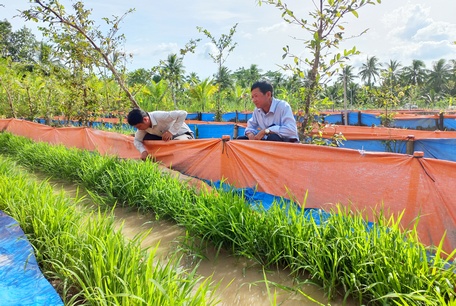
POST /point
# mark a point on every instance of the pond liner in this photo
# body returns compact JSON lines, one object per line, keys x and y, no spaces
{"x":264,"y":201}
{"x":21,"y":280}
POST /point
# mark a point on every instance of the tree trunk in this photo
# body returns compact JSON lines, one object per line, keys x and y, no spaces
{"x":10,"y":99}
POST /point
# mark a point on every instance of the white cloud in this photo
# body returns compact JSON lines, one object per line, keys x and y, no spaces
{"x":436,"y":31}
{"x":153,"y":52}
{"x":412,"y":33}
{"x":407,"y":20}
{"x":278,"y":27}
{"x":426,"y":50}
{"x":206,"y":50}
{"x":163,"y":49}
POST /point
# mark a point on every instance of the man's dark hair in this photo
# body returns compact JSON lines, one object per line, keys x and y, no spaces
{"x":136,"y":116}
{"x":263,"y":86}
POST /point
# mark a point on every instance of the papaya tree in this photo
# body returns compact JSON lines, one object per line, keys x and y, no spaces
{"x":326,"y":32}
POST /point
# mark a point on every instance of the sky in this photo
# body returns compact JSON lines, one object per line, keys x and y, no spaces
{"x":400,"y":30}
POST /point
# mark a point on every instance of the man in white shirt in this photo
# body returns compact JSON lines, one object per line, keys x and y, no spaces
{"x":158,"y":125}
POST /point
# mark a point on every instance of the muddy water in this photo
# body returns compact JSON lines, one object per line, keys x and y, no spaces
{"x":241,"y":281}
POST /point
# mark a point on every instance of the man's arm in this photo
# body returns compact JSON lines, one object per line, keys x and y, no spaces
{"x":252,"y":126}
{"x":287,"y":127}
{"x":139,"y":145}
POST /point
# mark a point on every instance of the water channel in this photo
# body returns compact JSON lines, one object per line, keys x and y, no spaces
{"x":241,"y":281}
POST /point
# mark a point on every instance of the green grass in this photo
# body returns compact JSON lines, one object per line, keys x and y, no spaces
{"x":92,"y":263}
{"x":380,"y":266}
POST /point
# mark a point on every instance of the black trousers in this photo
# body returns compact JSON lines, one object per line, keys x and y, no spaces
{"x":156,"y":137}
{"x":270,"y":137}
{"x":152,"y":137}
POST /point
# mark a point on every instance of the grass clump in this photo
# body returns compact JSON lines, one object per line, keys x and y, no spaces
{"x":90,"y":262}
{"x":377,"y":263}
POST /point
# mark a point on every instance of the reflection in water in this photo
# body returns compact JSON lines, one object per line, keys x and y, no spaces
{"x":241,"y":281}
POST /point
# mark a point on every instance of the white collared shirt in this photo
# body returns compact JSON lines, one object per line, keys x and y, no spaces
{"x":173,"y":121}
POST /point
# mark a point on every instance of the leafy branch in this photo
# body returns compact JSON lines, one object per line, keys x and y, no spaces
{"x":326,"y":33}
{"x":79,"y":26}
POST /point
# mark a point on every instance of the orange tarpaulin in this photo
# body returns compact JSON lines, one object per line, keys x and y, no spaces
{"x":365,"y":181}
{"x":381,"y":133}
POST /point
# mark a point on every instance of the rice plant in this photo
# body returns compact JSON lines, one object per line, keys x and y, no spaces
{"x":91,"y":263}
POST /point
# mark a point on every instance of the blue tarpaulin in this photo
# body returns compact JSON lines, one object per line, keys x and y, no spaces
{"x":354,"y":118}
{"x":440,"y":148}
{"x":212,"y":130}
{"x":449,"y":124}
{"x":418,"y":123}
{"x":444,"y":149}
{"x":21,"y":281}
{"x":262,"y":200}
{"x":192,"y":116}
{"x":233,"y":116}
{"x":394,"y":146}
{"x":207,"y":116}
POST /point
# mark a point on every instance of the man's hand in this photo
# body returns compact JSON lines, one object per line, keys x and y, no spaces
{"x":145,"y":155}
{"x":167,"y":136}
{"x":260,"y":135}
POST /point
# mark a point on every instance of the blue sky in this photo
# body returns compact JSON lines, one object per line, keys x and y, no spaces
{"x":402,"y":30}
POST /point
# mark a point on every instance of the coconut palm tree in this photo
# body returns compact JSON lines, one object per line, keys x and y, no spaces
{"x":392,"y":71}
{"x":431,"y":98}
{"x":239,"y":93}
{"x":172,"y":70}
{"x":352,"y":93}
{"x":202,"y":92}
{"x":370,"y":71}
{"x":223,"y":78}
{"x":246,"y":77}
{"x":346,"y":78}
{"x":47,"y":59}
{"x":439,"y":77}
{"x":277,"y":80}
{"x":153,"y":96}
{"x":192,"y":79}
{"x":348,"y":73}
{"x":414,"y":74}
{"x":333,"y":93}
